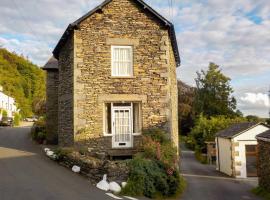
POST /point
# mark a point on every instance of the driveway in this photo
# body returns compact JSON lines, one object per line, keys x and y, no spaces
{"x":26,"y":174}
{"x":205,"y":183}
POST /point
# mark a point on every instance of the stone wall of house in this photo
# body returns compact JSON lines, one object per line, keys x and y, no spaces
{"x":123,"y":22}
{"x":65,"y":94}
{"x":52,"y":106}
{"x":264,"y":164}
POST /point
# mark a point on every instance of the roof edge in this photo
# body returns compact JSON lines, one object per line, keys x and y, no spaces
{"x":75,"y":24}
{"x":231,"y":137}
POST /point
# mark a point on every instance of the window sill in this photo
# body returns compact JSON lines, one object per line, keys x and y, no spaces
{"x":123,"y":77}
{"x":110,"y":135}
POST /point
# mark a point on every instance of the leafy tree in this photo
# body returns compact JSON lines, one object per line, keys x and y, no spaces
{"x":205,"y":129}
{"x":185,"y":107}
{"x":214,"y":93}
{"x":268,"y":121}
{"x":253,"y":118}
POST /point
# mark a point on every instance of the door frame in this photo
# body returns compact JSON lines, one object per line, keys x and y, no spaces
{"x":118,"y":145}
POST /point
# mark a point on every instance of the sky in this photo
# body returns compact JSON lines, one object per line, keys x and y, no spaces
{"x":234,"y":34}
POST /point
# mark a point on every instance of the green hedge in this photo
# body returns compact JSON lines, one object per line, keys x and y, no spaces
{"x":154,"y":173}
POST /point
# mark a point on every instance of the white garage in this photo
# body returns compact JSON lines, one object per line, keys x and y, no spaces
{"x":237,"y":149}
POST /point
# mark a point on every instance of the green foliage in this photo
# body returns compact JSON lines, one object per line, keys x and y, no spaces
{"x":154,"y":172}
{"x":4,"y":113}
{"x":268,"y":121}
{"x":38,"y":132}
{"x":214,"y":93}
{"x":61,"y":153}
{"x":253,"y":118}
{"x":17,"y":119}
{"x":22,"y":80}
{"x":186,"y":95}
{"x":259,"y":191}
{"x":149,"y":178}
{"x":206,"y":128}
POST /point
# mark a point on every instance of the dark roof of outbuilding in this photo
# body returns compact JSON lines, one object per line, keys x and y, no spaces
{"x":52,"y":64}
{"x":265,"y":135}
{"x":236,"y":129}
{"x":75,"y":25}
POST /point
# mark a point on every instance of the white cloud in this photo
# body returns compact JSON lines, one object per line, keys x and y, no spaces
{"x":256,"y":99}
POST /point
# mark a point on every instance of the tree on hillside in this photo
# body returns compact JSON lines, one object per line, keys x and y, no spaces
{"x":22,"y":80}
{"x":214,"y":93}
{"x":253,"y":118}
{"x":185,"y":107}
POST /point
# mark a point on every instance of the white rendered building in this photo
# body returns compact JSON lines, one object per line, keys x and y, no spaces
{"x":7,"y":103}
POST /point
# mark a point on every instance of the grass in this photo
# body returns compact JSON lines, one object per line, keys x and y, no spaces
{"x":261,"y":192}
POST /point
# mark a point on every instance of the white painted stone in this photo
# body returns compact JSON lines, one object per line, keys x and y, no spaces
{"x":103,"y":185}
{"x":76,"y":169}
{"x":123,"y":184}
{"x":115,"y":187}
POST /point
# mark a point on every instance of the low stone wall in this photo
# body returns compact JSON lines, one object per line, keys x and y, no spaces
{"x":95,"y":168}
{"x":264,"y":164}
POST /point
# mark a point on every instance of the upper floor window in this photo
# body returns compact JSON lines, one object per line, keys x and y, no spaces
{"x":122,"y":61}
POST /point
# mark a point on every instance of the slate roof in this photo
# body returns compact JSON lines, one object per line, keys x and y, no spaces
{"x":75,"y":25}
{"x":236,"y":129}
{"x":265,"y":135}
{"x":52,"y":64}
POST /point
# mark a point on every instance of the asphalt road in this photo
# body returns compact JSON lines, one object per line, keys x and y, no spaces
{"x":26,"y":174}
{"x":205,"y":183}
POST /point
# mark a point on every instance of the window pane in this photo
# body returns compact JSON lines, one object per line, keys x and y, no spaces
{"x":122,"y":61}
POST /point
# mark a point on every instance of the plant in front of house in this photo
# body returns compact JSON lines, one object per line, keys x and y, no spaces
{"x":17,"y":119}
{"x":38,"y":132}
{"x":154,"y":172}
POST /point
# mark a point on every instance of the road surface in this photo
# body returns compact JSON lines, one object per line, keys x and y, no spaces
{"x":26,"y":174}
{"x":205,"y":183}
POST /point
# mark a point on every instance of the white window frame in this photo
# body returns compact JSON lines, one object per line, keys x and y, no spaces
{"x":112,"y":106}
{"x":113,"y":47}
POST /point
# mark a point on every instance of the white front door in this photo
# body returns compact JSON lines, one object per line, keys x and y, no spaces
{"x":122,"y":127}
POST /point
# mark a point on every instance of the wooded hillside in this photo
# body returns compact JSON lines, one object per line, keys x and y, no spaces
{"x":22,"y":80}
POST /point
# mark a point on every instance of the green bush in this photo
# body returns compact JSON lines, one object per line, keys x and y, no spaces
{"x":17,"y":119}
{"x":154,"y":173}
{"x":4,"y":113}
{"x":61,"y":153}
{"x":259,"y":191}
{"x":150,"y":178}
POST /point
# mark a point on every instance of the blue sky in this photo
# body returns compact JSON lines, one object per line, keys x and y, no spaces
{"x":234,"y":34}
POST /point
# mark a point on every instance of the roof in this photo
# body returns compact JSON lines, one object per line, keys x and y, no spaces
{"x":236,"y":129}
{"x":52,"y":64}
{"x":75,"y":25}
{"x":264,"y":135}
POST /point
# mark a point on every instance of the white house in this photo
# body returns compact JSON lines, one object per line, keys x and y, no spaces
{"x":7,"y":103}
{"x":237,"y":149}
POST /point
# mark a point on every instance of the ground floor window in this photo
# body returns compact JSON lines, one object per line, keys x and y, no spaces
{"x":122,"y":118}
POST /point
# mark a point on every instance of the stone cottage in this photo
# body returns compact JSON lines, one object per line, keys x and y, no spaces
{"x":264,"y":160}
{"x":112,"y":75}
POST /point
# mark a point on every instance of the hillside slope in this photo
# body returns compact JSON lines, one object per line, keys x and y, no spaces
{"x":22,"y":80}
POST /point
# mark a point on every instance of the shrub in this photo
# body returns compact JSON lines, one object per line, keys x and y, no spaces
{"x":17,"y":119}
{"x":154,"y":173}
{"x":61,"y":153}
{"x":4,"y":113}
{"x":38,"y":132}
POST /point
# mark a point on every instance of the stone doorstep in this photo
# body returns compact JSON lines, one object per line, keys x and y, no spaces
{"x":122,"y":152}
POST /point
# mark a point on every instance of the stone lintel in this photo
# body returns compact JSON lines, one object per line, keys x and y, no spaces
{"x":122,"y":41}
{"x":122,"y":97}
